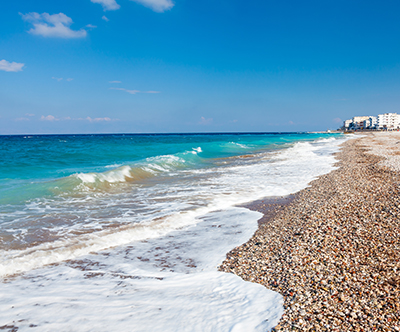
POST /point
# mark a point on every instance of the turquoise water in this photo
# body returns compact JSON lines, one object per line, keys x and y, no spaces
{"x":30,"y":165}
{"x":59,"y":188}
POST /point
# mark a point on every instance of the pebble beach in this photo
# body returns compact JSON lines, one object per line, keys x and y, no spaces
{"x":332,"y":250}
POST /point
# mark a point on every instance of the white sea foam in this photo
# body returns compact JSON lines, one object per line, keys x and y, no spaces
{"x":165,"y":284}
{"x":117,"y":175}
{"x":17,"y":261}
{"x":113,"y":166}
{"x":208,"y":301}
{"x":239,"y":145}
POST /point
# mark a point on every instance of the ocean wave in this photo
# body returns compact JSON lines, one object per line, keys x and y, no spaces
{"x":148,"y":168}
{"x":236,"y":145}
{"x":111,"y":176}
{"x":19,"y":261}
{"x":118,"y":175}
{"x":197,"y":150}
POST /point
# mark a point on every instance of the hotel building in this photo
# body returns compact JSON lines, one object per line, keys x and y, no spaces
{"x":388,"y":121}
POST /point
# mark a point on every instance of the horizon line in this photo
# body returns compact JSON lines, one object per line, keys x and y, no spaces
{"x":173,"y":133}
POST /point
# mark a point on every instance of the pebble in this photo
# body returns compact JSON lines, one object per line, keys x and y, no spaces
{"x":333,"y":251}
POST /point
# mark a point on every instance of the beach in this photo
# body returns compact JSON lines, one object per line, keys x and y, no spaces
{"x":194,"y":166}
{"x":332,"y":250}
{"x":324,"y":258}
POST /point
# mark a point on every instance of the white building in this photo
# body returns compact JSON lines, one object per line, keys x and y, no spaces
{"x":371,"y":122}
{"x":358,"y":121}
{"x":388,"y":121}
{"x":361,"y":122}
{"x":347,"y":124}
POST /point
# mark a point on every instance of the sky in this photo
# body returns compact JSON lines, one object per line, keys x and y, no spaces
{"x":165,"y":66}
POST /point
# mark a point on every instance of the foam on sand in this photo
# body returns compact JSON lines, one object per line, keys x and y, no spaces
{"x":166,"y":284}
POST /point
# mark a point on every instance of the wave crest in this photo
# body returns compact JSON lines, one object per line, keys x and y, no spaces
{"x":150,"y":167}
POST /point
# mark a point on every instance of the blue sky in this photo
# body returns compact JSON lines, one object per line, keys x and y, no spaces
{"x":109,"y":66}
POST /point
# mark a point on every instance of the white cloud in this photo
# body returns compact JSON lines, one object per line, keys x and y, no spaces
{"x":158,"y":6}
{"x":29,"y":114}
{"x":48,"y":118}
{"x":114,"y":82}
{"x":56,"y":25}
{"x":69,"y":79}
{"x":11,"y":66}
{"x":107,"y":4}
{"x":91,"y":26}
{"x":22,"y":119}
{"x":204,"y":121}
{"x":68,"y":118}
{"x":133,"y":92}
{"x":105,"y":18}
{"x":98,"y":119}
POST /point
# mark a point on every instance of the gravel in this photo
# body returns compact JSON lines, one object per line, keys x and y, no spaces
{"x":333,"y":250}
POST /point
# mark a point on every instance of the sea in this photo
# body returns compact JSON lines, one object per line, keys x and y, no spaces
{"x":125,"y":232}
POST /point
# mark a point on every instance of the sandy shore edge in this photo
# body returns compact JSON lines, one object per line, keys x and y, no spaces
{"x":332,"y":250}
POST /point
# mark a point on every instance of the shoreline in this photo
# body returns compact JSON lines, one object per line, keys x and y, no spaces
{"x":269,"y":206}
{"x":332,"y":249}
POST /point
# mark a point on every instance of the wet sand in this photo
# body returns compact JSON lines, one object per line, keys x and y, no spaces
{"x":270,"y":206}
{"x":333,"y":249}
